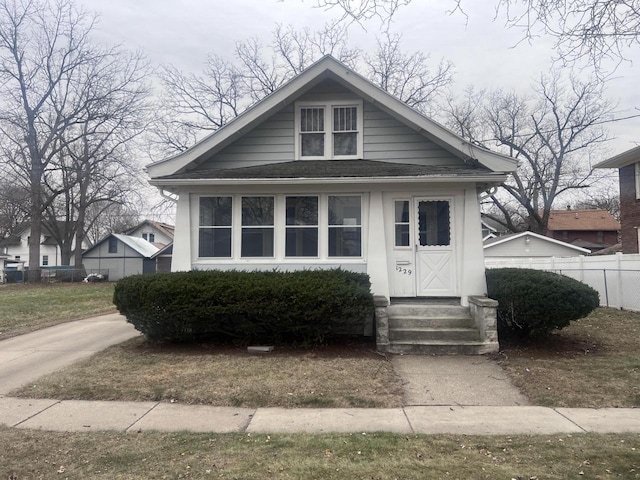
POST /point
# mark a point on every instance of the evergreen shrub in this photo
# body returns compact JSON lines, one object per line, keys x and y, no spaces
{"x":274,"y":307}
{"x":534,"y":303}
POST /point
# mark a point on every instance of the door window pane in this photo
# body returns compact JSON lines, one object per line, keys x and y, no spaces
{"x":402,"y":223}
{"x":434,"y":224}
{"x":345,"y":227}
{"x":257,"y":227}
{"x":302,"y":227}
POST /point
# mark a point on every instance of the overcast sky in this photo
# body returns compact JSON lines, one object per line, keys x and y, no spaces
{"x":484,"y":52}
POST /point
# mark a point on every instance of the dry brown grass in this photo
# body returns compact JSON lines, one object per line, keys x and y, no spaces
{"x":39,"y":454}
{"x":342,"y":376}
{"x":25,"y":308}
{"x":595,"y":362}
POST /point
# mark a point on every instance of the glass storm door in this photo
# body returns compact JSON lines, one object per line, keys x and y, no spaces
{"x":434,"y":248}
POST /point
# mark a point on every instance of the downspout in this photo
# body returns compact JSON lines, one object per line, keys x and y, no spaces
{"x":167,"y":196}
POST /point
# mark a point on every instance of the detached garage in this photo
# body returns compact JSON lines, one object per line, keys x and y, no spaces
{"x":121,"y":255}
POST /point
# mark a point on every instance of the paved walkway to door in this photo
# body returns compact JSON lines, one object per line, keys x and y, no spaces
{"x":455,"y":380}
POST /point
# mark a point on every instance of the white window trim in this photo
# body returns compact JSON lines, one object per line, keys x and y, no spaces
{"x":318,"y":226}
{"x":410,"y":223}
{"x":328,"y":129}
{"x":637,"y":175}
{"x":214,"y":227}
{"x":242,"y":227}
{"x":280,"y":230}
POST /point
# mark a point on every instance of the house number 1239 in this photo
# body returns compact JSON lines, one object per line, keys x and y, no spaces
{"x":403,"y":271}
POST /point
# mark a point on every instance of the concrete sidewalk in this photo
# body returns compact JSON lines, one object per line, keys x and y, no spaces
{"x":86,"y":416}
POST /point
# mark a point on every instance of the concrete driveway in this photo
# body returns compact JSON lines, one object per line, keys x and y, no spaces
{"x":27,"y":357}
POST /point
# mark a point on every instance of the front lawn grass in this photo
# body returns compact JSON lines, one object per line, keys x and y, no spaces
{"x":351,"y":375}
{"x":106,"y":455}
{"x":29,"y":307}
{"x":595,"y":362}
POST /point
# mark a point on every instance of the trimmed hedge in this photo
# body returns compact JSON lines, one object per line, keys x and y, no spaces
{"x":534,"y":302}
{"x":304,"y":307}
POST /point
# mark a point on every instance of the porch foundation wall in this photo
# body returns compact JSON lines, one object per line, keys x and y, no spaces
{"x":381,"y":322}
{"x":484,"y":314}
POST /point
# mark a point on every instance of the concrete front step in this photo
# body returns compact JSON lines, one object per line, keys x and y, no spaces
{"x":428,"y":311}
{"x":420,"y":334}
{"x":407,"y":321}
{"x":435,"y":347}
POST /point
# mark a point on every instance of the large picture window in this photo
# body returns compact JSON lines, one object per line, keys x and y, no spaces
{"x":301,"y":227}
{"x":345,"y":226}
{"x":215,"y":227}
{"x":257,"y":226}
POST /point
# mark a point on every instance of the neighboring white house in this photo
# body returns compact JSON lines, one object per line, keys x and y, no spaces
{"x":120,"y":256}
{"x":528,"y":245}
{"x":331,"y":171}
{"x":158,"y":233}
{"x":14,"y":250}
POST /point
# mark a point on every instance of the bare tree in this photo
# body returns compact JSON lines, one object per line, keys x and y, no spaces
{"x":407,"y":76}
{"x":595,"y":30}
{"x":196,"y":105}
{"x":109,"y":218}
{"x":556,"y":133}
{"x":14,"y":205}
{"x":50,"y":73}
{"x":361,"y":11}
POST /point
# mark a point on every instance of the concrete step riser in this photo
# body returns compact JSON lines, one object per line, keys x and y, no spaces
{"x":426,"y":349}
{"x":416,"y":322}
{"x":444,"y":335}
{"x":428,"y":311}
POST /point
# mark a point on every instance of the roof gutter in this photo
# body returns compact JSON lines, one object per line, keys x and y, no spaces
{"x":160,"y":182}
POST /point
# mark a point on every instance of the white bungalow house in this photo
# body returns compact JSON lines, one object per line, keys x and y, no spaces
{"x":331,"y":171}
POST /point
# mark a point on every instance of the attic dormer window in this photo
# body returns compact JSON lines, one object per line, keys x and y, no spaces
{"x":329,"y":130}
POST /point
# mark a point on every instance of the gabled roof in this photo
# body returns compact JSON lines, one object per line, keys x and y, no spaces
{"x":162,"y":227}
{"x":621,"y":160}
{"x":140,"y":245}
{"x":167,"y":250}
{"x":572,"y":220}
{"x":329,"y":67}
{"x":492,"y":242}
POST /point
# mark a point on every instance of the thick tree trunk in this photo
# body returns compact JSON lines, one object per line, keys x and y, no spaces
{"x":36,"y":221}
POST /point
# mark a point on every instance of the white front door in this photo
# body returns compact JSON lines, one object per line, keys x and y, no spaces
{"x":435,"y":260}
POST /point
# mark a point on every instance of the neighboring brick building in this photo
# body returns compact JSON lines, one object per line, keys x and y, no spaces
{"x":592,"y":229}
{"x":628,"y":165}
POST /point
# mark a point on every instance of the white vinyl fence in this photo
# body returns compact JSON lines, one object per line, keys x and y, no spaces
{"x":615,"y":277}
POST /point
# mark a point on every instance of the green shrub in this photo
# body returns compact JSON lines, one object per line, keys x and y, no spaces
{"x":267,"y":307}
{"x":534,"y":302}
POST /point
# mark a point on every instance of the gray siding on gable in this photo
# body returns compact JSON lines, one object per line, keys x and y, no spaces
{"x":270,"y":142}
{"x":385,"y":139}
{"x":389,"y":140}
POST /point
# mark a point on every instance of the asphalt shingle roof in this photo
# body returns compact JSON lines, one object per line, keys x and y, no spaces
{"x":600,"y":220}
{"x":333,"y":169}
